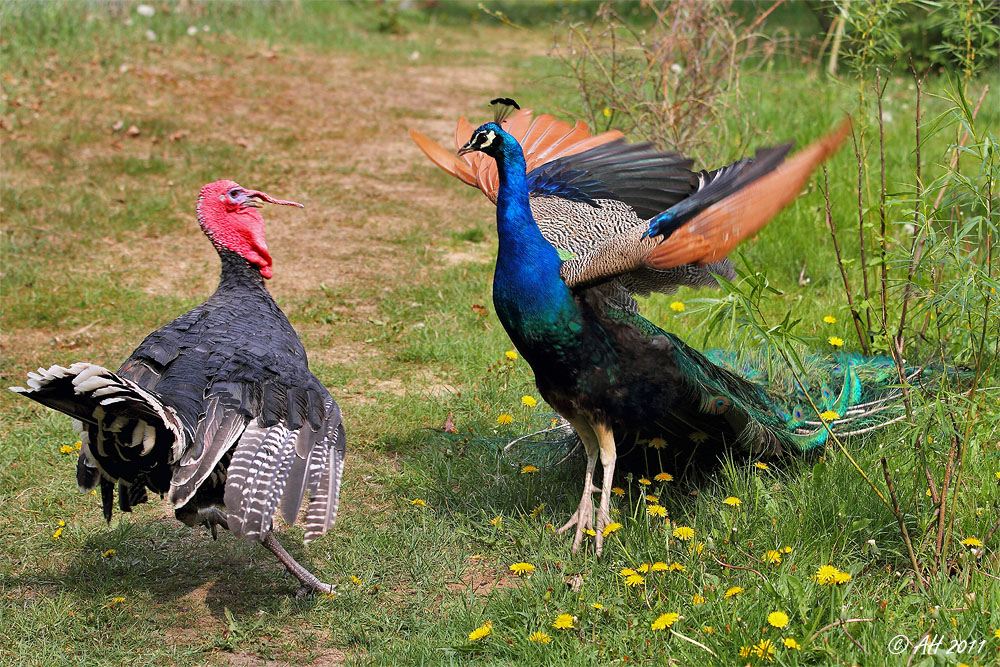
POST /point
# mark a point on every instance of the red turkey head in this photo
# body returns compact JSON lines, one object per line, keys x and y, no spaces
{"x":227,"y":213}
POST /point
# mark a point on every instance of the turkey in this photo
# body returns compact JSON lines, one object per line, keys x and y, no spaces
{"x":217,"y":410}
{"x":616,"y":377}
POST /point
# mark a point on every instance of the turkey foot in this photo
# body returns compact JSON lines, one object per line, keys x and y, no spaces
{"x":307,"y":578}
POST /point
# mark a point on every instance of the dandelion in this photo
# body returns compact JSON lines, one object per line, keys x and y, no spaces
{"x":656,"y":510}
{"x":708,"y":630}
{"x":634,"y":580}
{"x":698,"y":437}
{"x":505,"y":419}
{"x":657,"y":443}
{"x":109,"y":552}
{"x":773,"y":557}
{"x":677,"y":567}
{"x":58,"y":533}
{"x":355,"y":580}
{"x":66,"y":449}
{"x":764,"y":650}
{"x":745,"y":651}
{"x":972,"y":542}
{"x":787,"y":549}
{"x":510,"y":354}
{"x":652,"y":499}
{"x":539,"y":637}
{"x":618,"y":491}
{"x":664,"y":621}
{"x":659,"y":566}
{"x":563,"y":622}
{"x":791,"y":644}
{"x":535,"y":512}
{"x":522,"y":569}
{"x":697,"y":548}
{"x":664,"y":477}
{"x":698,"y":599}
{"x":841,"y":578}
{"x":480,"y":632}
{"x":735,"y":590}
{"x":607,"y":112}
{"x":117,"y":600}
{"x":677,"y":306}
{"x":626,"y":572}
{"x":610,"y":528}
{"x":761,"y":466}
{"x":997,"y":633}
{"x":830,"y":319}
{"x":836,"y":341}
{"x":419,"y":502}
{"x":78,"y":445}
{"x":529,"y":401}
{"x":589,"y":531}
{"x":778,"y":619}
{"x":828,"y":415}
{"x":828,"y":574}
{"x":497,"y":521}
{"x":644,"y":568}
{"x":527,"y":470}
{"x":683,"y":533}
{"x":644,"y":481}
{"x":732,"y":501}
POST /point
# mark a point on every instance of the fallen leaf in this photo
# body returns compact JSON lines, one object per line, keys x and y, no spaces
{"x":132,"y":131}
{"x":178,"y":135}
{"x":449,"y":423}
{"x":479,"y":310}
{"x":117,"y":126}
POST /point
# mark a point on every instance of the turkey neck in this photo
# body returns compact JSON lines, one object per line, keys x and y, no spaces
{"x":533,"y":303}
{"x":239,"y":275}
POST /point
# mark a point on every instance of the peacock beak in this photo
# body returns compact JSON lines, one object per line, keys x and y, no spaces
{"x":256,"y":198}
{"x":467,"y":148}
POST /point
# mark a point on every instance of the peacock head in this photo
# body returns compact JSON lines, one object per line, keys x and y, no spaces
{"x":490,"y":138}
{"x":227,"y":213}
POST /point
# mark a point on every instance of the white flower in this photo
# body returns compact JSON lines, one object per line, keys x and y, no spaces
{"x":150,"y":35}
{"x":192,"y":30}
{"x":145,"y":10}
{"x":676,"y":68}
{"x":887,"y":116}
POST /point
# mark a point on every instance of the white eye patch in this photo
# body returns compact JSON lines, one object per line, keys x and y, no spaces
{"x":490,"y":136}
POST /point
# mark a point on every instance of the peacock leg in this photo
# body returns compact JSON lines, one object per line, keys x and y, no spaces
{"x":307,"y":578}
{"x":609,"y":455}
{"x":583,"y":518}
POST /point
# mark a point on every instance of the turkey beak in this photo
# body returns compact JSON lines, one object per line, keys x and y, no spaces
{"x":256,"y":197}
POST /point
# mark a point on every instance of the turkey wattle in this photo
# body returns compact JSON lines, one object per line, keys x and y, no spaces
{"x":218,"y":409}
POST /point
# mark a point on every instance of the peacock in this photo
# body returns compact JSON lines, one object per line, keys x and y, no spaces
{"x":217,"y":409}
{"x":613,"y":375}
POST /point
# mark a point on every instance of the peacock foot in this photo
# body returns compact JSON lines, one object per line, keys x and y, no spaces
{"x":603,"y":519}
{"x":583,"y":518}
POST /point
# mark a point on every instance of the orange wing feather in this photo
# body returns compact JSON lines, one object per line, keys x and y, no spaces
{"x":713,"y":233}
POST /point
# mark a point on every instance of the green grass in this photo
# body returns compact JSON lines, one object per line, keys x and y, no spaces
{"x":380,"y":274}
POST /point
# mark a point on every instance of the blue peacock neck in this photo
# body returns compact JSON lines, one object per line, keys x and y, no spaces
{"x":532,"y":301}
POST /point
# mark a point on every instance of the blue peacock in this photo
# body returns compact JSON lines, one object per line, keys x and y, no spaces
{"x":616,"y":377}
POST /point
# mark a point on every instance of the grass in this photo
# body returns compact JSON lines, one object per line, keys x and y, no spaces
{"x":380,"y":274}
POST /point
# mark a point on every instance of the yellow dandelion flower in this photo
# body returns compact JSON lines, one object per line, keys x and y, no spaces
{"x":698,"y":437}
{"x":505,"y":419}
{"x":539,"y":637}
{"x":117,"y":600}
{"x":698,"y":599}
{"x":563,"y":622}
{"x":626,"y":572}
{"x":677,"y":306}
{"x":618,"y":491}
{"x":656,"y":510}
{"x":664,"y":621}
{"x":972,"y":542}
{"x":598,"y":606}
{"x":997,"y":633}
{"x":610,"y":528}
{"x":778,"y":619}
{"x":841,"y":577}
{"x":419,"y":502}
{"x":607,"y":112}
{"x":480,"y":632}
{"x":764,"y":650}
{"x":635,"y":580}
{"x":787,"y":549}
{"x":510,"y":354}
{"x":522,"y":569}
{"x":664,"y":477}
{"x":745,"y":651}
{"x":61,"y":522}
{"x":836,"y":341}
{"x":528,"y":469}
{"x":735,"y":590}
{"x":825,"y":574}
{"x":78,"y":445}
{"x":644,"y":568}
{"x":109,"y":552}
{"x":589,"y":531}
{"x":497,"y":521}
{"x":58,"y":533}
{"x":761,"y":466}
{"x":652,"y":499}
{"x":644,"y":481}
{"x":773,"y":557}
{"x":830,"y":319}
{"x":732,"y":501}
{"x":659,"y":566}
{"x":355,"y":580}
{"x":535,"y":512}
{"x":708,"y":630}
{"x":683,"y":532}
{"x":698,"y":548}
{"x":791,"y":644}
{"x":657,"y":443}
{"x":828,"y":415}
{"x":529,"y":401}
{"x":66,"y":449}
{"x":677,"y":567}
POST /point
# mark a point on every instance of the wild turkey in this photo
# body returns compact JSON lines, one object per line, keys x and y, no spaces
{"x":217,"y":409}
{"x":585,"y":189}
{"x":615,"y":376}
